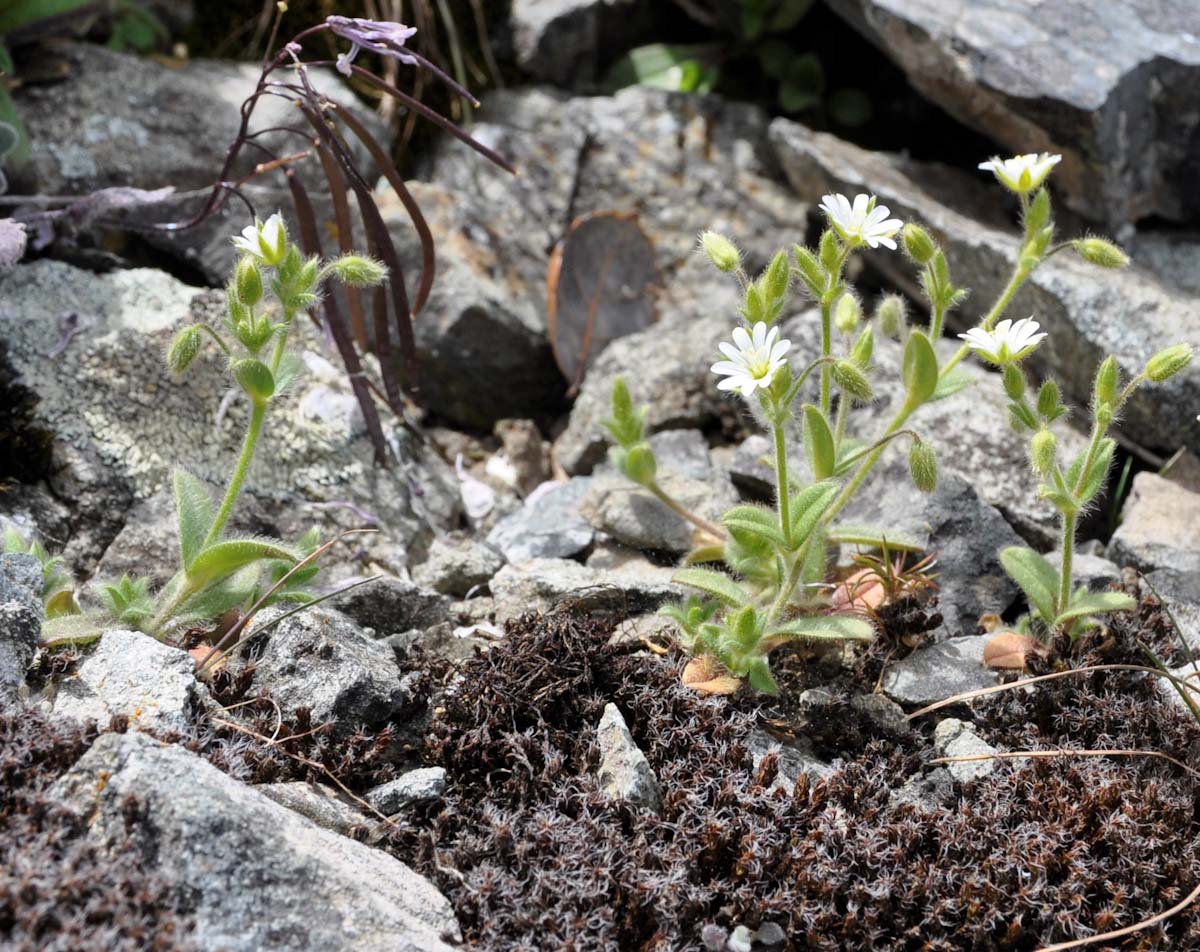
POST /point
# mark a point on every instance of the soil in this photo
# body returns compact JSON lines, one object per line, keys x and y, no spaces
{"x":533,"y":856}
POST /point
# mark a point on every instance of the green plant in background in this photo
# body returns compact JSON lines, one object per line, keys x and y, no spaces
{"x":58,"y":594}
{"x":753,"y":39}
{"x":272,"y":284}
{"x":771,"y":588}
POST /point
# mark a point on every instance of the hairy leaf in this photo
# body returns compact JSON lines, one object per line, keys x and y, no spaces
{"x":826,"y":627}
{"x":195,"y":513}
{"x":1096,"y":603}
{"x":818,"y":442}
{"x":713,"y":583}
{"x":756,"y":521}
{"x":1036,"y":577}
{"x":920,"y":369}
{"x":848,"y":534}
{"x":808,"y":506}
{"x":225,"y":558}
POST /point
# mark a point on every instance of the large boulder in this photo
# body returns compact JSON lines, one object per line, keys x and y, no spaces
{"x":568,"y":42}
{"x":255,"y":875}
{"x":20,"y":618}
{"x":1089,"y":312}
{"x":1160,"y":527}
{"x":1111,"y":86}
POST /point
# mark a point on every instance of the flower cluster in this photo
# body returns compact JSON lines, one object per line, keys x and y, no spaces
{"x":761,"y":574}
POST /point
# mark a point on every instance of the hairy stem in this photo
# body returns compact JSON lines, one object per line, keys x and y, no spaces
{"x":253,"y":432}
{"x":1020,"y":275}
{"x":1068,"y":550}
{"x":782,"y":487}
{"x":868,"y":464}
{"x":698,"y":521}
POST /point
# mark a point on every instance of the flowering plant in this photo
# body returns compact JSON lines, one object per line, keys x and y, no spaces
{"x":761,"y":575}
{"x":272,"y":284}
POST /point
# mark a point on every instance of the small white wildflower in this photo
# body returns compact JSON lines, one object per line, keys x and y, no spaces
{"x":861,"y":223}
{"x":753,"y":359}
{"x":1007,"y":342}
{"x":1022,"y":173}
{"x":266,"y":241}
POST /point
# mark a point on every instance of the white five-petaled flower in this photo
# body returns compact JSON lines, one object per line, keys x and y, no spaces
{"x":754,"y":358}
{"x":1022,"y":173}
{"x":267,"y":240}
{"x":861,"y":223}
{"x":1007,"y":342}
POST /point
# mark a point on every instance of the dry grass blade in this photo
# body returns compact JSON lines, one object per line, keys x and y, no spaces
{"x":983,"y":692}
{"x":345,"y":236}
{"x":1128,"y":930}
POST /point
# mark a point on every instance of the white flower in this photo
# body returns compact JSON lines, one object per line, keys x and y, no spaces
{"x":267,"y":240}
{"x":753,"y":359}
{"x":1007,"y":342}
{"x":1022,"y":173}
{"x":863,"y":223}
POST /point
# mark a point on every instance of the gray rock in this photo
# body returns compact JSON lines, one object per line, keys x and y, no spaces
{"x":129,"y":674}
{"x":320,"y":660}
{"x":319,"y":804}
{"x":1094,"y":571}
{"x":545,"y":584}
{"x":566,"y":42}
{"x":682,"y":453}
{"x":667,"y":370}
{"x":938,"y":671}
{"x":1111,"y":86}
{"x":1179,"y":590}
{"x":1088,"y":312}
{"x":794,"y":759}
{"x":964,"y":531}
{"x":525,"y":451}
{"x":1160,"y":528}
{"x":254,"y":874}
{"x":455,"y":565}
{"x":389,"y":605}
{"x":954,"y":738}
{"x":633,"y":517}
{"x":752,"y":469}
{"x":886,"y":714}
{"x":122,"y":447}
{"x":20,"y":618}
{"x":928,"y":791}
{"x":548,"y":525}
{"x":414,"y":786}
{"x":624,"y":772}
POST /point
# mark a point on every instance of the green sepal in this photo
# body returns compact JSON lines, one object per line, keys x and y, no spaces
{"x":811,"y":271}
{"x":1035,"y":576}
{"x":716,"y":584}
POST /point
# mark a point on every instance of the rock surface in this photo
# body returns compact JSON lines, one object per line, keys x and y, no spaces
{"x":544,"y":584}
{"x":548,"y":526}
{"x":1088,"y":312}
{"x":938,"y":671}
{"x":20,"y":618}
{"x":320,"y":660}
{"x":389,"y":605}
{"x":1110,"y":86}
{"x":455,"y":565}
{"x":424,"y":783}
{"x":131,"y":675}
{"x":1160,"y":528}
{"x":315,"y":803}
{"x":256,"y":875}
{"x":954,"y":738}
{"x":564,"y":41}
{"x":633,"y":517}
{"x":624,"y":772}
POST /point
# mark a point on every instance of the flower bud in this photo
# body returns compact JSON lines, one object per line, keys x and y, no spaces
{"x":828,"y":250}
{"x":1104,"y":415}
{"x":722,"y":252}
{"x":184,"y":348}
{"x":922,"y":464}
{"x":1107,"y":378}
{"x":640,"y":464}
{"x":255,"y":378}
{"x":1043,"y":453}
{"x":918,"y":243}
{"x":1014,"y":382}
{"x":357,"y":271}
{"x":847,"y":313}
{"x":863,"y":348}
{"x":851,"y":380}
{"x":1168,"y":362}
{"x":812,"y":272}
{"x":890,"y":314}
{"x":1048,"y":400}
{"x":1099,"y":251}
{"x":776,"y":278}
{"x":247,"y":280}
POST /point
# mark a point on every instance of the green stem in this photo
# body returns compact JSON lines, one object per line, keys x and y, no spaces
{"x":868,"y":464}
{"x":789,"y":583}
{"x":839,"y":430}
{"x":701,"y":523}
{"x":826,"y":351}
{"x":781,"y":483}
{"x":1068,"y":550}
{"x":935,"y":324}
{"x":253,"y":431}
{"x":1020,"y":276}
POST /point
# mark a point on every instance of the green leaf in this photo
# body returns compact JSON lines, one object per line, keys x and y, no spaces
{"x":1036,"y":577}
{"x":920,"y":369}
{"x":18,"y":13}
{"x":1096,"y":603}
{"x":195,"y":513}
{"x":954,"y":381}
{"x":816,"y":561}
{"x":214,"y":601}
{"x":818,"y":441}
{"x":827,"y":628}
{"x":847,"y":534}
{"x":679,"y":68}
{"x":756,"y":521}
{"x":225,"y":558}
{"x":71,"y":629}
{"x":1098,"y":472}
{"x":717,"y":584}
{"x":758,"y":671}
{"x":808,"y":506}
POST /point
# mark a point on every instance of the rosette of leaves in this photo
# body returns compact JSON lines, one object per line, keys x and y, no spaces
{"x":58,"y":595}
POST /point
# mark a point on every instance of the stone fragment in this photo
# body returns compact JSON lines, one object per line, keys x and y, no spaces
{"x":20,"y":618}
{"x":546,"y":584}
{"x":938,"y":671}
{"x":257,"y":876}
{"x":316,"y":803}
{"x":424,"y":783}
{"x":1160,"y":528}
{"x":954,"y":738}
{"x":548,"y":525}
{"x":624,"y":772}
{"x":455,"y":565}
